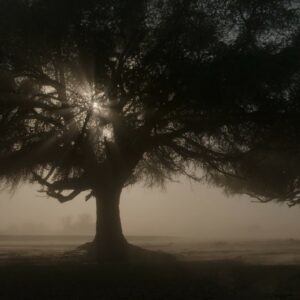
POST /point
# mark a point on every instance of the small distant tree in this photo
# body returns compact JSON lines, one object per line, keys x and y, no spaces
{"x":98,"y":95}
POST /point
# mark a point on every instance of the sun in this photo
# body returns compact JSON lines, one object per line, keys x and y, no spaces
{"x":96,"y":107}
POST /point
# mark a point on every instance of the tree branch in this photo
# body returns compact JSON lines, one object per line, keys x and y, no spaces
{"x":55,"y":189}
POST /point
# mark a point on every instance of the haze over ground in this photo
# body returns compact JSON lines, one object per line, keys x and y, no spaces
{"x":182,"y":209}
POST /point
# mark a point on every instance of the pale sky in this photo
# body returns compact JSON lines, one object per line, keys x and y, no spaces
{"x":183,"y":209}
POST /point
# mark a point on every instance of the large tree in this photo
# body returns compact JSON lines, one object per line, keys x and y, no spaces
{"x":98,"y":95}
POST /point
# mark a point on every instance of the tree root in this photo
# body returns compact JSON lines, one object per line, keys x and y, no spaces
{"x":89,"y":251}
{"x":138,"y":254}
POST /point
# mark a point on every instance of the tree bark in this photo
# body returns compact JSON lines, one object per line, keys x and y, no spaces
{"x":110,"y":243}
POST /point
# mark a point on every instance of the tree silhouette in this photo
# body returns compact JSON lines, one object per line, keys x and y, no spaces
{"x":98,"y":95}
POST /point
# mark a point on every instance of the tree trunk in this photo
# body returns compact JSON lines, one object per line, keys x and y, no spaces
{"x":110,"y":243}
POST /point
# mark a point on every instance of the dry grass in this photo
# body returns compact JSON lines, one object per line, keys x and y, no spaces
{"x":66,"y":279}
